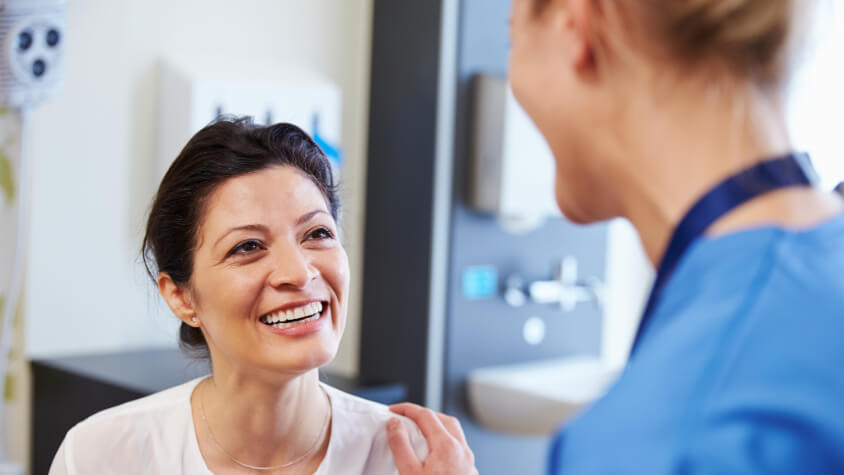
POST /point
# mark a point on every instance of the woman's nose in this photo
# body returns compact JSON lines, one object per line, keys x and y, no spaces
{"x":291,"y":268}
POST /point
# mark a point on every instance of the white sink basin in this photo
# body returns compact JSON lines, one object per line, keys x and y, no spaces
{"x":535,"y":398}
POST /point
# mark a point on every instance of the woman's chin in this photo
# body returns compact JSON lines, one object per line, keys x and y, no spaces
{"x":299,"y":357}
{"x":299,"y":349}
{"x":581,"y":209}
{"x":573,"y":213}
{"x":299,"y":364}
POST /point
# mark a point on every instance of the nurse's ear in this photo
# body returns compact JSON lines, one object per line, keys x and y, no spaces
{"x":574,"y":22}
{"x":178,"y":298}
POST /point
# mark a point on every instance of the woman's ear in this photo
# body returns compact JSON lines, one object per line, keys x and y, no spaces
{"x":178,"y":299}
{"x":574,"y":21}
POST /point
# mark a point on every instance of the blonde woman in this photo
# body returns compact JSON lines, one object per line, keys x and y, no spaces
{"x":670,"y":113}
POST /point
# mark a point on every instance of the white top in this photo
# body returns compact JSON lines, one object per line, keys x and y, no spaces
{"x":155,"y":434}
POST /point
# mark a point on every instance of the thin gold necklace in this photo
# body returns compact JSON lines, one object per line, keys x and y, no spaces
{"x":276,"y":467}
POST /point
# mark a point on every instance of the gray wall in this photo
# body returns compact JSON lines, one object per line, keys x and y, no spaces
{"x":399,"y":193}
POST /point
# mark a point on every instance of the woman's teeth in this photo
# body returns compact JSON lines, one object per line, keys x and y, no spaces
{"x":294,"y":316}
{"x":282,"y":326}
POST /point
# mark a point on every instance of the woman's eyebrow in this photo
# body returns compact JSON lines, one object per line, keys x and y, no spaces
{"x":245,"y":227}
{"x":308,"y":216}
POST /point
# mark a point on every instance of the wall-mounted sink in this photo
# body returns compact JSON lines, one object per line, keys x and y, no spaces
{"x":535,"y":398}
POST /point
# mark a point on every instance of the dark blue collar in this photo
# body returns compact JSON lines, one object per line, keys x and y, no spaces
{"x":790,"y":170}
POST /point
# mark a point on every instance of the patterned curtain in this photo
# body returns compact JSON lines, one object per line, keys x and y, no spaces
{"x":16,"y":401}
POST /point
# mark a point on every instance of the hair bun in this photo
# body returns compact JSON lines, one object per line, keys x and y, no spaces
{"x":750,"y":37}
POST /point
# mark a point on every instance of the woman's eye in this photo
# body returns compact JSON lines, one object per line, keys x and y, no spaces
{"x":246,"y":247}
{"x":321,"y":233}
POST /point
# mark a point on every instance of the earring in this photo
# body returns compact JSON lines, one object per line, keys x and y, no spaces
{"x":194,"y":320}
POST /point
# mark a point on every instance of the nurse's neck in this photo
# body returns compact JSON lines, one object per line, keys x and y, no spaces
{"x":684,"y":143}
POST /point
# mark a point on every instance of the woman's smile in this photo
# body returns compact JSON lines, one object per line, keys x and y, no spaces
{"x":296,"y":319}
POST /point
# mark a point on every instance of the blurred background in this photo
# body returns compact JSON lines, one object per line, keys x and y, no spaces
{"x":470,"y":293}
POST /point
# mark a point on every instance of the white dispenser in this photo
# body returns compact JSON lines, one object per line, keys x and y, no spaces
{"x":195,"y":92}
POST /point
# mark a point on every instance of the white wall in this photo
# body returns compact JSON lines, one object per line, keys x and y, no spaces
{"x":816,"y":100}
{"x":94,"y":152}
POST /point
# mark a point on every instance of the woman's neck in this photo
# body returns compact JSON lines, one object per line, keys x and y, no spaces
{"x":262,"y":422}
{"x":677,"y":151}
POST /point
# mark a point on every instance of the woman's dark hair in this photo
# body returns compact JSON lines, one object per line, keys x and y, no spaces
{"x":227,"y":148}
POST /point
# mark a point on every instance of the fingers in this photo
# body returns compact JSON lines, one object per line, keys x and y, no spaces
{"x":426,"y":419}
{"x":421,"y":415}
{"x":448,"y":451}
{"x":452,"y":425}
{"x":397,"y":437}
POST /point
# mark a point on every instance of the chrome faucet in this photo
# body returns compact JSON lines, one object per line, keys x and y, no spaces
{"x":566,"y":290}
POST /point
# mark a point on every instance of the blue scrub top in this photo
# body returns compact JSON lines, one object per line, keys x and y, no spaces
{"x":740,"y":370}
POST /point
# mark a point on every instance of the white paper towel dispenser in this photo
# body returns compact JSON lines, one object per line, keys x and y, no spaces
{"x":196,"y":90}
{"x":512,"y":168}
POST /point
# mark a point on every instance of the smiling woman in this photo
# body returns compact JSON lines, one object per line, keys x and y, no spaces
{"x":242,"y":242}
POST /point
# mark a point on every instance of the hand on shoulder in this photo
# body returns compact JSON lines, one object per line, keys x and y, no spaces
{"x":448,"y":451}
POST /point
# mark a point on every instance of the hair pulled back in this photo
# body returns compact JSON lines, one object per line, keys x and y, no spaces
{"x":752,"y":39}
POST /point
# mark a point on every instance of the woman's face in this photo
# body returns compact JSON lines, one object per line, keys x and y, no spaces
{"x":550,"y":77}
{"x":268,"y":252}
{"x":530,"y":62}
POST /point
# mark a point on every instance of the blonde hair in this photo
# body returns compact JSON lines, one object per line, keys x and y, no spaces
{"x":750,"y":39}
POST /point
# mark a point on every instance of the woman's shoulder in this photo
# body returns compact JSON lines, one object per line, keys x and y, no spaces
{"x":359,"y":435}
{"x":170,"y":400}
{"x":130,"y":430}
{"x":368,"y":415}
{"x":356,"y":406}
